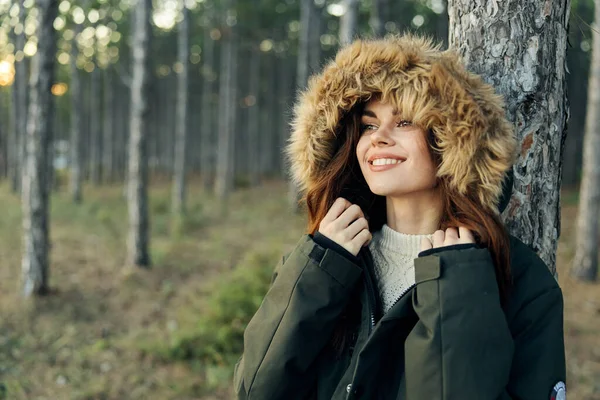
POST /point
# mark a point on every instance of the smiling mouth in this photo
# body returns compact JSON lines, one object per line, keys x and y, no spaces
{"x":385,"y":161}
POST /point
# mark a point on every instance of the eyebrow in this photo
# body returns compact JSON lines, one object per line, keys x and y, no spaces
{"x":369,"y":113}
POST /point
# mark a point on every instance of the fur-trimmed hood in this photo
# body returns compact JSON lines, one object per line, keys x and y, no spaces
{"x":429,"y":87}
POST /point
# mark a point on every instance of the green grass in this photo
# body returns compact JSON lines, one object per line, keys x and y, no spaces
{"x":109,"y":332}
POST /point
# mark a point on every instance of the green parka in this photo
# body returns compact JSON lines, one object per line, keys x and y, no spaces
{"x":448,"y":337}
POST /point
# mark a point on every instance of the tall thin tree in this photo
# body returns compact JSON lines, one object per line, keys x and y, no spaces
{"x":315,"y":31}
{"x":207,"y":112}
{"x":137,"y":182}
{"x":348,"y":22}
{"x":35,"y":201}
{"x":227,"y":103}
{"x":108,"y":136}
{"x":20,"y":96}
{"x":254,"y":116}
{"x":308,"y":13}
{"x":95,"y":119}
{"x":526,"y":62}
{"x":179,"y":169}
{"x":379,"y":16}
{"x":75,"y":147}
{"x":585,"y":263}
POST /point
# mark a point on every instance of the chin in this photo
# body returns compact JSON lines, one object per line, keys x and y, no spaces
{"x":382,"y":189}
{"x":390,"y":190}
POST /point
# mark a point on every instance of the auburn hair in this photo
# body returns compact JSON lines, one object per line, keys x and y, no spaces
{"x":343,"y":178}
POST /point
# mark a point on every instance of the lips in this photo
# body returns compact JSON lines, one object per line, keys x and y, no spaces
{"x":387,"y":157}
{"x":382,"y":162}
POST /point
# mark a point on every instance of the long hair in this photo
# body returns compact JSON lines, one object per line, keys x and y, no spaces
{"x":343,"y":178}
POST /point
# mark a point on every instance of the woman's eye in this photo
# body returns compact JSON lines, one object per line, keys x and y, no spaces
{"x":404,"y":123}
{"x":367,"y":127}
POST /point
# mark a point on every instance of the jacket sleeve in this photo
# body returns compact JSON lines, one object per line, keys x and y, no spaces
{"x":462,"y":347}
{"x":293,"y":323}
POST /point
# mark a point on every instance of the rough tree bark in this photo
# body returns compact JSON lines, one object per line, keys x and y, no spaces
{"x":348,"y":22}
{"x":179,"y":169}
{"x":137,"y":180}
{"x":519,"y":46}
{"x":35,"y":201}
{"x":76,"y":175}
{"x":585,"y":263}
{"x":227,"y":107}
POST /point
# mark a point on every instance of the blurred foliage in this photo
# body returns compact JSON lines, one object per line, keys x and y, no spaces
{"x":216,"y":340}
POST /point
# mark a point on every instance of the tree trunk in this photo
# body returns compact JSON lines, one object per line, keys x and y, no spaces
{"x":35,"y":268}
{"x":314,"y":40}
{"x":270,"y":130}
{"x":579,"y":64}
{"x":348,"y":22}
{"x":76,"y":175}
{"x":307,"y":15}
{"x":441,"y":26}
{"x":585,"y":263}
{"x":254,"y":118}
{"x":179,"y":169}
{"x":379,"y":16}
{"x":21,"y":91}
{"x":137,"y":182}
{"x":108,"y":136}
{"x":13,"y":137}
{"x":227,"y":108}
{"x":523,"y":55}
{"x":95,"y":125}
{"x":206,"y":130}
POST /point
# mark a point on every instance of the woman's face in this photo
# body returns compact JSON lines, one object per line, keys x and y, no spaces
{"x":392,"y":153}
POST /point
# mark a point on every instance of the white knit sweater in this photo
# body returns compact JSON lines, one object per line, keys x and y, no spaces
{"x":393,"y":256}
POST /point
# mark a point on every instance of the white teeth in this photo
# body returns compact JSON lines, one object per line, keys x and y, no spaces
{"x":385,"y":161}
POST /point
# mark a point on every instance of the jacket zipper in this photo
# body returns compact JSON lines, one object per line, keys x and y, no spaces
{"x":371,"y":299}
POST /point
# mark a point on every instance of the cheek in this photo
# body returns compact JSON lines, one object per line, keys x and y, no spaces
{"x":361,"y":149}
{"x":425,"y":159}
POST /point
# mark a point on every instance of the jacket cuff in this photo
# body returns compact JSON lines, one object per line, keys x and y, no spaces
{"x":345,"y":272}
{"x":435,"y":250}
{"x":340,"y":268}
{"x":327,"y":243}
{"x":472,"y":262}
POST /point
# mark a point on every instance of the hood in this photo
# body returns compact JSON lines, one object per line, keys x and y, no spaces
{"x":429,"y":87}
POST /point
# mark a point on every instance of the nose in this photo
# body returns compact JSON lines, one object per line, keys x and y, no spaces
{"x":381,"y":137}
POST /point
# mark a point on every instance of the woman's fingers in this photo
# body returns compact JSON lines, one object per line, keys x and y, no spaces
{"x":356,"y":227}
{"x":438,"y":238}
{"x":350,"y":214}
{"x":466,"y":236}
{"x":346,"y":225}
{"x":337,"y":208}
{"x":362,"y":239}
{"x":452,"y":236}
{"x":426,"y":244}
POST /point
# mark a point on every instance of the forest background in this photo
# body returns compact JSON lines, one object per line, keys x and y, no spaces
{"x":160,"y":314}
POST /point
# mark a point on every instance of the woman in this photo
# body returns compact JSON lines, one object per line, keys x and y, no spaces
{"x":407,"y":285}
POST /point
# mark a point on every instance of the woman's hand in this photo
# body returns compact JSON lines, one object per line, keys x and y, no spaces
{"x":450,"y":237}
{"x":346,"y":225}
